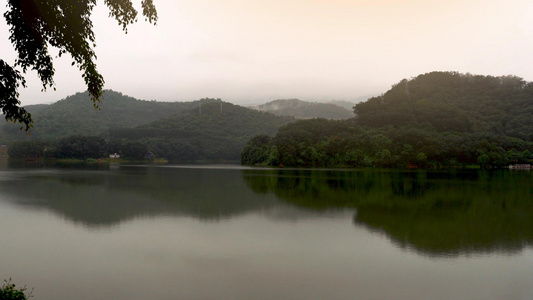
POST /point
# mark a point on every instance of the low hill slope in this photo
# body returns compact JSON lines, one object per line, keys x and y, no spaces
{"x":215,"y":130}
{"x":35,"y":108}
{"x":345,"y":104}
{"x":305,"y":110}
{"x":75,"y":115}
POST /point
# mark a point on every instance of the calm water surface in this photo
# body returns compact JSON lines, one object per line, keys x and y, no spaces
{"x":226,"y":232}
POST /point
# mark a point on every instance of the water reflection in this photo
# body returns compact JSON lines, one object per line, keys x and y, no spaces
{"x":446,"y":213}
{"x":106,"y":198}
{"x":433,"y":213}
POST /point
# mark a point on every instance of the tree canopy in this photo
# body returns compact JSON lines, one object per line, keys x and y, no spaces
{"x":37,"y":25}
{"x":433,"y":120}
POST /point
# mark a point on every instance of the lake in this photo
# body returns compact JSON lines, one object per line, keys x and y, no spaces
{"x":231,"y":232}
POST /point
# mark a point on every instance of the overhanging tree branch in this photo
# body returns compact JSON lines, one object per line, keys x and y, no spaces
{"x":34,"y":25}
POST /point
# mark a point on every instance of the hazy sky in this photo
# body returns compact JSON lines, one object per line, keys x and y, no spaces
{"x":247,"y":51}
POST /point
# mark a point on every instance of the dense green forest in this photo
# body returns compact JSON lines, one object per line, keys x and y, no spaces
{"x":436,"y":119}
{"x":212,"y":130}
{"x":432,"y":120}
{"x":215,"y":130}
{"x":75,"y":115}
{"x":454,"y":102}
{"x":306,"y":110}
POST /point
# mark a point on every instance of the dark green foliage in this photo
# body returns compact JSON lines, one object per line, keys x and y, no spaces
{"x":305,"y":110}
{"x":10,"y":80}
{"x":27,"y":149}
{"x":214,"y":130}
{"x":81,"y":147}
{"x":324,"y":143}
{"x":74,"y":116}
{"x":36,"y":25}
{"x":450,"y":101}
{"x":115,"y":146}
{"x":206,"y":129}
{"x":437,"y":119}
{"x":134,"y":150}
{"x":76,"y":147}
{"x":9,"y":291}
{"x":257,"y":150}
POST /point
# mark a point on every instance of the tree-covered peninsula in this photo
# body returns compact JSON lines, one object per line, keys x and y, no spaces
{"x":435,"y":119}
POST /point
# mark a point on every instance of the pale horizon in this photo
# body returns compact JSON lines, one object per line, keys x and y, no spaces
{"x":254,"y":51}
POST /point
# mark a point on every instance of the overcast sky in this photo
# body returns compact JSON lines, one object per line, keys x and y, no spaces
{"x":250,"y":51}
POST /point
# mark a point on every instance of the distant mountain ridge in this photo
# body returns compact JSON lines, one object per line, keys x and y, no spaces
{"x":306,"y":110}
{"x":35,"y":108}
{"x":75,"y":115}
{"x":342,"y":103}
{"x":205,"y":129}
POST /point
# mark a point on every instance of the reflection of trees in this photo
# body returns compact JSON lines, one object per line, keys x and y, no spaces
{"x":436,"y":213}
{"x":104,"y":198}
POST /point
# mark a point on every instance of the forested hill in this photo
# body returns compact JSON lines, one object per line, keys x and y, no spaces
{"x":214,"y":130}
{"x":306,"y":110}
{"x":450,"y":101}
{"x":346,"y":104}
{"x":35,"y":108}
{"x":436,"y":119}
{"x":75,"y":115}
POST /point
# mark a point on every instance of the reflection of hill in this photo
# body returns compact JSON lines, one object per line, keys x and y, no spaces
{"x":104,"y":198}
{"x":436,"y":213}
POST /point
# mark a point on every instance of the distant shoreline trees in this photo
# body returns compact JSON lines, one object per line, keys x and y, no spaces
{"x":300,"y":145}
{"x":77,"y":147}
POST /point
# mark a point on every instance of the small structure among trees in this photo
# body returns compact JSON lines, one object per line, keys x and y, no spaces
{"x":520,"y":166}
